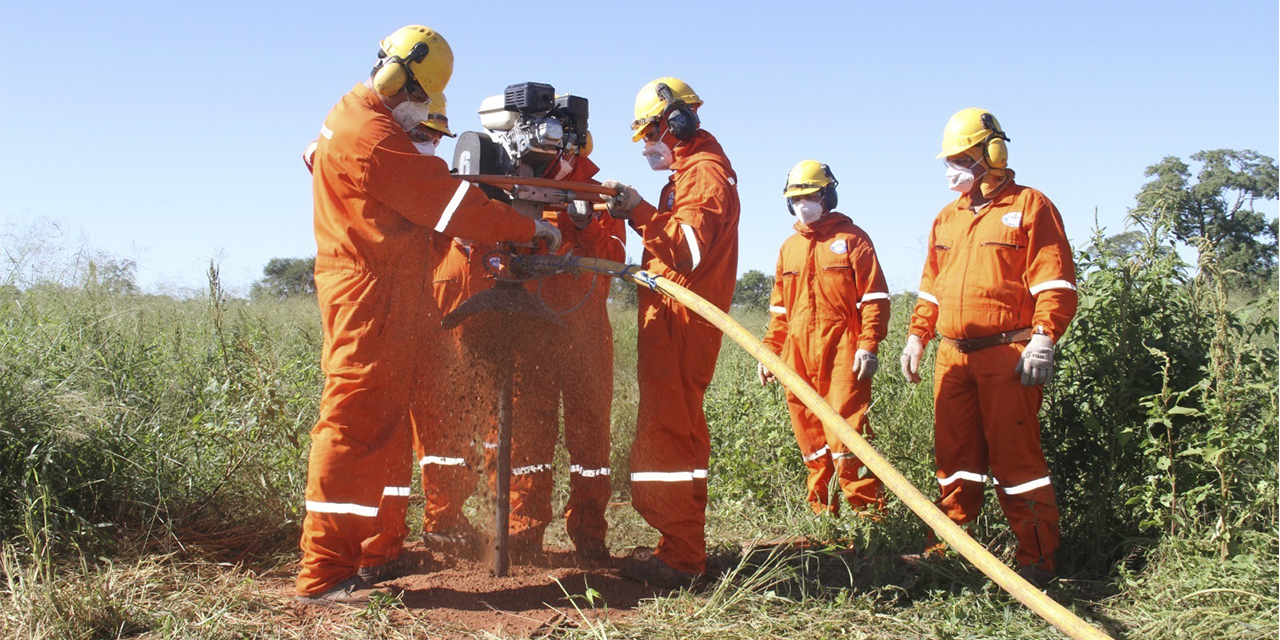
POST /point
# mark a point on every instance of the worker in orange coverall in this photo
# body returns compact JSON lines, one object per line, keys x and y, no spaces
{"x":829,"y":311}
{"x":579,"y":371}
{"x":582,"y":380}
{"x":377,"y":202}
{"x":999,"y":288}
{"x":690,"y":238}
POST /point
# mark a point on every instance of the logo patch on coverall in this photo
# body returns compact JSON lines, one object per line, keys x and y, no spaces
{"x":839,"y":247}
{"x":1012,"y":219}
{"x":671,"y":199}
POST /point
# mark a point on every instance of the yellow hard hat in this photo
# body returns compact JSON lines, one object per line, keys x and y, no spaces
{"x":808,"y":177}
{"x":970,"y":127}
{"x":811,"y":176}
{"x":437,"y":117}
{"x":650,"y":106}
{"x":413,"y":53}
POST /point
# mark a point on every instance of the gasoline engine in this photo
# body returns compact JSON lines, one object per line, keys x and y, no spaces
{"x":531,"y":137}
{"x":529,"y":132}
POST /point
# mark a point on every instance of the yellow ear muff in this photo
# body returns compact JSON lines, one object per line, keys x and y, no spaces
{"x":390,"y":78}
{"x":997,"y":152}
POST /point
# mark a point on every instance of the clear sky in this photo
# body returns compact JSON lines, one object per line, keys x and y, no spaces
{"x":171,"y":132}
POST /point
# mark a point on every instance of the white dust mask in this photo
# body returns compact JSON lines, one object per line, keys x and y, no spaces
{"x":808,"y":211}
{"x":409,"y":114}
{"x":427,"y":148}
{"x":959,"y":178}
{"x":658,"y":154}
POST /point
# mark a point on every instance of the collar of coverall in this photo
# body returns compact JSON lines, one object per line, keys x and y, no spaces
{"x":965,"y":201}
{"x":824,"y":226}
{"x":701,"y":147}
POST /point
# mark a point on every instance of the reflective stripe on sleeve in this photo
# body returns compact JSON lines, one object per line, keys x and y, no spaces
{"x":663,"y":476}
{"x":395,"y":491}
{"x":693,"y":244}
{"x":453,"y":206}
{"x":782,"y":311}
{"x":699,"y":473}
{"x":448,"y":462}
{"x":1052,"y":284}
{"x":342,"y":507}
{"x":962,"y":475}
{"x":928,"y":297}
{"x":1028,"y":486}
{"x":533,"y":468}
{"x":326,"y":132}
{"x":817,"y":454}
{"x":870,"y":297}
{"x":588,"y":473}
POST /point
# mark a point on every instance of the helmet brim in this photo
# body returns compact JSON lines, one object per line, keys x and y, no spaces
{"x":793,"y":192}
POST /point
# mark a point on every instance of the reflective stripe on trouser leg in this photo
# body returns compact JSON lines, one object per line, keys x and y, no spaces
{"x":816,"y":453}
{"x":346,"y":484}
{"x":1010,"y":416}
{"x":676,"y":361}
{"x":534,"y":426}
{"x":587,"y":392}
{"x":960,"y":445}
{"x":860,"y":487}
{"x":445,"y":441}
{"x":388,"y":542}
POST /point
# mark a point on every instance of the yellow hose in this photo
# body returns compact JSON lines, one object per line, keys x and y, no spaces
{"x":1011,"y":582}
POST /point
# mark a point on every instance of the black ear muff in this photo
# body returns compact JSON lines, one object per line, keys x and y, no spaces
{"x":829,"y":196}
{"x":682,"y":122}
{"x":996,"y":151}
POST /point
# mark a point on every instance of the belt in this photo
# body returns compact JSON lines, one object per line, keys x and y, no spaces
{"x":969,"y":345}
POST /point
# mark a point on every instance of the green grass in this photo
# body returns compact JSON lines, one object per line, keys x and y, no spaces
{"x":152,"y":457}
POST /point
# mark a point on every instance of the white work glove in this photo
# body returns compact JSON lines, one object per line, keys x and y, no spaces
{"x":581,"y":213}
{"x":865,"y":364}
{"x":764,"y":374}
{"x":620,"y":206}
{"x":546,"y":232}
{"x":911,"y":358}
{"x":1036,"y":364}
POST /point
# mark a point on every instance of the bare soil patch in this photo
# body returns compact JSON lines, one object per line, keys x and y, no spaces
{"x":461,"y":598}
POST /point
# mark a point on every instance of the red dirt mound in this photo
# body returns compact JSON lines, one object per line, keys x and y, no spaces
{"x":532,"y":601}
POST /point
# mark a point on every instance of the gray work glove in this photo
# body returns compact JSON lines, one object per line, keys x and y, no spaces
{"x":865,"y":364}
{"x":546,"y":232}
{"x":581,"y":213}
{"x":620,"y":206}
{"x":764,"y":374}
{"x":911,"y":358}
{"x":1036,"y":364}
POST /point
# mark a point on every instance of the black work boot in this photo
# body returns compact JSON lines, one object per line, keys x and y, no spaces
{"x":406,"y":564}
{"x":352,"y":592}
{"x":1037,"y":575}
{"x":458,"y":541}
{"x":644,"y":566}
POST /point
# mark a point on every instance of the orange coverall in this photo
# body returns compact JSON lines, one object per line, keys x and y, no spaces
{"x":580,"y":371}
{"x":691,"y":238}
{"x":1005,"y":267}
{"x":829,"y":300}
{"x":377,"y":202}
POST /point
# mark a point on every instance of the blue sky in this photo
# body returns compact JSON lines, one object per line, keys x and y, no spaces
{"x":171,"y":133}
